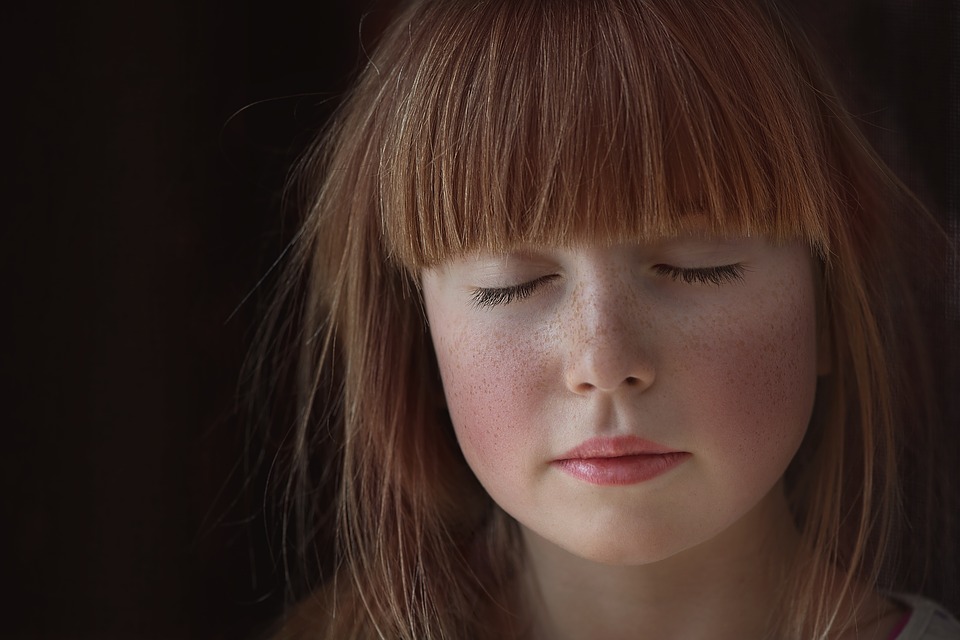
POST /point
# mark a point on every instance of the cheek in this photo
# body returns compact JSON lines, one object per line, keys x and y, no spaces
{"x":490,"y":382}
{"x":757,"y":380}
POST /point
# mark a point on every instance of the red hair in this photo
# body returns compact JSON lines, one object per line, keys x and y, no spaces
{"x":485,"y":123}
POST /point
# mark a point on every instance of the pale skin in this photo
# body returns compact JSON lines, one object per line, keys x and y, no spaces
{"x":703,"y":345}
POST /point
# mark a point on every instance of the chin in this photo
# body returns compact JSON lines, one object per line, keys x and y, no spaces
{"x":633,"y":555}
{"x":631,"y":549}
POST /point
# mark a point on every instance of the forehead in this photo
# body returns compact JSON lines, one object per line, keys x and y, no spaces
{"x":521,"y":123}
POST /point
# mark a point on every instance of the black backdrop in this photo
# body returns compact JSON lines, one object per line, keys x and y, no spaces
{"x":145,"y":146}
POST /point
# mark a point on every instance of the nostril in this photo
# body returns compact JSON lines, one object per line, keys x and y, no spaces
{"x":587,"y":377}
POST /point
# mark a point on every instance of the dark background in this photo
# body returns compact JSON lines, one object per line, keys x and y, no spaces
{"x":146,"y":147}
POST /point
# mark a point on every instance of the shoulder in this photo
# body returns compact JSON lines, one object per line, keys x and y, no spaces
{"x":322,"y":615}
{"x":309,"y":618}
{"x":928,"y":620}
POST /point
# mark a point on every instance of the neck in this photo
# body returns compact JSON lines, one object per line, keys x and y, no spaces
{"x":726,"y":587}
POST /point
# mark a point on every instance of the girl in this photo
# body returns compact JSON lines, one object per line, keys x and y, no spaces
{"x":606,"y":335}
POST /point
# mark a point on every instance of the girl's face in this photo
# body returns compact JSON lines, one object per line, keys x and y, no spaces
{"x":627,"y":403}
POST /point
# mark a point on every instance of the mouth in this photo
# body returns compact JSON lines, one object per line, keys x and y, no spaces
{"x":624,"y":460}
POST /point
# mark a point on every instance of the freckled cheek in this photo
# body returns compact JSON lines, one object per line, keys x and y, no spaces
{"x":763,"y":382}
{"x":491,"y":386}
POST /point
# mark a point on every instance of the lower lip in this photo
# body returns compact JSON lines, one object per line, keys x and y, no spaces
{"x":621,"y":470}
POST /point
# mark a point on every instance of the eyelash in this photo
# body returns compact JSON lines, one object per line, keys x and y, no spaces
{"x":703,"y":275}
{"x":496,"y":296}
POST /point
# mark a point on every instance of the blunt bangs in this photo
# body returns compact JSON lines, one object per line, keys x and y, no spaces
{"x":608,"y":121}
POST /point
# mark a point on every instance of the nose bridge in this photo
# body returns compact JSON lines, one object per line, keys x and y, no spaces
{"x":605,"y":333}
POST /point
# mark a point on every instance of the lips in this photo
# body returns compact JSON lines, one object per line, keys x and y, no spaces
{"x":623,"y":460}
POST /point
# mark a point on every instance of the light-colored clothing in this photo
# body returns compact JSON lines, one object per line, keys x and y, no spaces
{"x":928,"y":620}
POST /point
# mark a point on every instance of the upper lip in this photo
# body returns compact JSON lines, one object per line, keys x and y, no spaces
{"x":615,"y":447}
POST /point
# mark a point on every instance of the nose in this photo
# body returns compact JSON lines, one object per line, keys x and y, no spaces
{"x":608,"y":335}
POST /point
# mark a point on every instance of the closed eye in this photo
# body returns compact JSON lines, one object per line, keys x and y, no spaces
{"x":702,"y":275}
{"x":495,"y":296}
